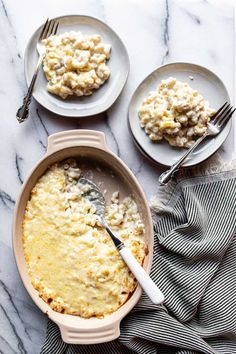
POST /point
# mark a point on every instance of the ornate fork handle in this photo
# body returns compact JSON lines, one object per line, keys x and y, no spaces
{"x":23,"y":112}
{"x":167,"y":175}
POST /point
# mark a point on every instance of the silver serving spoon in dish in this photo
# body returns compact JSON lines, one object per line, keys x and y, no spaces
{"x":95,"y":196}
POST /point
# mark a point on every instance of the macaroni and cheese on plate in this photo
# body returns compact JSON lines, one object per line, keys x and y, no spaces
{"x":75,"y":63}
{"x":176,"y":113}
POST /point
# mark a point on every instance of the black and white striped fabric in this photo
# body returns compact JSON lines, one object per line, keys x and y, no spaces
{"x":195,"y":267}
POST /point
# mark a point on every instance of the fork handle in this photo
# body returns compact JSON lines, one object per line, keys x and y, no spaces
{"x":23,"y":112}
{"x":166,"y":176}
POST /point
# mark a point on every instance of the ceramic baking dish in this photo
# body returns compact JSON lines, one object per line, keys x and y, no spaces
{"x":92,"y":145}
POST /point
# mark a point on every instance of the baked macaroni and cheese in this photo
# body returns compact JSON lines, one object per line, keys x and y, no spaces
{"x":75,"y":64}
{"x":71,"y":259}
{"x":175,"y":112}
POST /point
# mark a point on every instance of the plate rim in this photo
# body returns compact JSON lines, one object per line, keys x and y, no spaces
{"x":157,"y":163}
{"x":188,"y":163}
{"x":72,"y":113}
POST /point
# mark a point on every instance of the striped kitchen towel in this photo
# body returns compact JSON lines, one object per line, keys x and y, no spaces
{"x":195,"y":267}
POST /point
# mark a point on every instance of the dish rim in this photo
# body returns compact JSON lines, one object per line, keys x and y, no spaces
{"x":70,"y":322}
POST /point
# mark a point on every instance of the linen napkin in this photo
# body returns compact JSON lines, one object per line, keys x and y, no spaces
{"x":194,"y":265}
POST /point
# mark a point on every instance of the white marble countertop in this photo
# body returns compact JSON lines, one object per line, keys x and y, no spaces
{"x":155,"y":32}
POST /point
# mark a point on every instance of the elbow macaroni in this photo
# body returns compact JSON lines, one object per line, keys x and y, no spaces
{"x":71,"y":259}
{"x":75,"y":64}
{"x":175,"y":112}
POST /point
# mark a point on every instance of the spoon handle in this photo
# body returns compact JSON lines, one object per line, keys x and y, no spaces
{"x":148,"y":285}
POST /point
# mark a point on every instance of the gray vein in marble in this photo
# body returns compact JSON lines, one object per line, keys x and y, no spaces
{"x":4,"y":287}
{"x":166,"y":36}
{"x":6,"y":200}
{"x":18,"y":158}
{"x":42,"y":144}
{"x":20,"y":345}
{"x":41,"y":121}
{"x":112,"y":134}
{"x":43,"y":126}
{"x":4,"y":10}
{"x":15,"y":54}
{"x":7,"y":17}
{"x":3,"y":340}
{"x":139,"y":169}
{"x":193,"y":17}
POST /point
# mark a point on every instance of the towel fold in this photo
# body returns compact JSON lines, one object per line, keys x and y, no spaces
{"x":195,"y":266}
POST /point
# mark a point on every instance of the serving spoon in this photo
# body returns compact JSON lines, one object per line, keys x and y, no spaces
{"x":96,"y":197}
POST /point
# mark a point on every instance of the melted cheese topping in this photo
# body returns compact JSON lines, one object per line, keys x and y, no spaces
{"x":71,"y":259}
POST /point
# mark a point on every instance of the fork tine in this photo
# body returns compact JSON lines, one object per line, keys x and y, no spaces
{"x":52,"y":28}
{"x":44,"y":35}
{"x":220,"y":111}
{"x":42,"y":31}
{"x":47,"y":33}
{"x":56,"y":28}
{"x":224,"y":114}
{"x":226,"y":118}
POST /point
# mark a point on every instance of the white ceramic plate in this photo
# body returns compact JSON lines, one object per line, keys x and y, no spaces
{"x":209,"y":86}
{"x":102,"y":98}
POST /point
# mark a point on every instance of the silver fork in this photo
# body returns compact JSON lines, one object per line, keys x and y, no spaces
{"x":214,"y":127}
{"x":50,"y":28}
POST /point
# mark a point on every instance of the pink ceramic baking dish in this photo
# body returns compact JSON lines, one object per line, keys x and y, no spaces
{"x":92,"y":145}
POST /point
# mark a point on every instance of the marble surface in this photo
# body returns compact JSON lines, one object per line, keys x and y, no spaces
{"x":155,"y":32}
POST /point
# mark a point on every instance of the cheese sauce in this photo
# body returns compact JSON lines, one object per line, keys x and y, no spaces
{"x":71,"y":259}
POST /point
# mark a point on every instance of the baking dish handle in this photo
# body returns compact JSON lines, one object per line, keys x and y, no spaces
{"x":106,"y":333}
{"x":78,"y":137}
